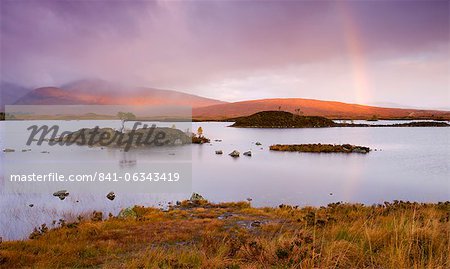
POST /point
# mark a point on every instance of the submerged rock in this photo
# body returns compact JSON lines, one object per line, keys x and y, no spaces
{"x":248,"y":153}
{"x":61,"y":194}
{"x":9,"y":150}
{"x":258,"y":143}
{"x":219,"y":152}
{"x":234,"y":154}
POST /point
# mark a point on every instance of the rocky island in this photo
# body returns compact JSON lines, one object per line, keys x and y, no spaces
{"x":321,"y":148}
{"x":283,"y":119}
{"x":136,"y":138}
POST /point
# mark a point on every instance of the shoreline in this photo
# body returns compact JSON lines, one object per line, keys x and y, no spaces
{"x":197,"y":234}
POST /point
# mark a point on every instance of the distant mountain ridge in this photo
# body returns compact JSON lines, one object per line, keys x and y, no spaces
{"x":10,"y":93}
{"x":95,"y":92}
{"x":90,"y":92}
{"x":311,"y":107}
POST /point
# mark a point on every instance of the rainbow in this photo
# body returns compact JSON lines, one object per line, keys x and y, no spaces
{"x":355,"y":47}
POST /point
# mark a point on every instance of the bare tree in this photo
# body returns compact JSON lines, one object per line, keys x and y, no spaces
{"x":125,"y":116}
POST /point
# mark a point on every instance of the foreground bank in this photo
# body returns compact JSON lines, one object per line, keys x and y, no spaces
{"x":197,"y":234}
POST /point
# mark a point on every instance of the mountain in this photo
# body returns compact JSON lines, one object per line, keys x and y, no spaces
{"x":311,"y":107}
{"x":10,"y":93}
{"x":95,"y":91}
{"x":85,"y":92}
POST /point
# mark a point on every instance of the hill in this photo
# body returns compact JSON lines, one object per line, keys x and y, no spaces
{"x":99,"y":92}
{"x":282,"y":119}
{"x":10,"y":93}
{"x":310,"y":107}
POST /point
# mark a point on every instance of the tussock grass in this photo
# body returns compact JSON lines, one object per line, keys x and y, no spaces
{"x":235,"y":235}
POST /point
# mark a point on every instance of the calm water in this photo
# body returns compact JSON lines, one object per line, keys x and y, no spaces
{"x":409,"y":164}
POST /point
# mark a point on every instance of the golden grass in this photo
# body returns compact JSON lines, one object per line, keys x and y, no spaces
{"x":235,"y":235}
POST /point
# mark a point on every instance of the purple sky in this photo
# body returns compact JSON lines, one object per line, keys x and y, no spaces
{"x":352,"y":51}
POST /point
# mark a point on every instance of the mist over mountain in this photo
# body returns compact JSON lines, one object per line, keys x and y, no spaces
{"x":11,"y":93}
{"x":100,"y":92}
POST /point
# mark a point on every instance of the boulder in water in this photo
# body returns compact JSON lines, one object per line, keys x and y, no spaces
{"x":234,"y":154}
{"x":111,"y":196}
{"x":61,"y":194}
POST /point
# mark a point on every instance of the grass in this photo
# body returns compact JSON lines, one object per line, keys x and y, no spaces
{"x":235,"y":235}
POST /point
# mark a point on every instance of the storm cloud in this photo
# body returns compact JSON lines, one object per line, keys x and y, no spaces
{"x":354,"y":51}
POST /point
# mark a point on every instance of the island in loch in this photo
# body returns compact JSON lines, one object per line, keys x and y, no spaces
{"x":283,"y":119}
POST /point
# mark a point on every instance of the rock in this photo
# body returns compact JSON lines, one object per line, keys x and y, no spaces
{"x":196,"y":197}
{"x":45,"y":151}
{"x":363,"y":150}
{"x":26,"y":150}
{"x":127,"y":213}
{"x":8,"y":150}
{"x":61,"y":194}
{"x":111,"y":196}
{"x":248,"y":153}
{"x":219,"y":152}
{"x":258,"y":144}
{"x":234,"y":154}
{"x":218,"y":140}
{"x":256,"y":223}
{"x":30,"y":205}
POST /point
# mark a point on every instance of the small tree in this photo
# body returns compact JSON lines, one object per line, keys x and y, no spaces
{"x":125,"y":116}
{"x":200,"y":131}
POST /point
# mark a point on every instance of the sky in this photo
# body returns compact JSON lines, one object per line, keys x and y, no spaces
{"x":367,"y":52}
